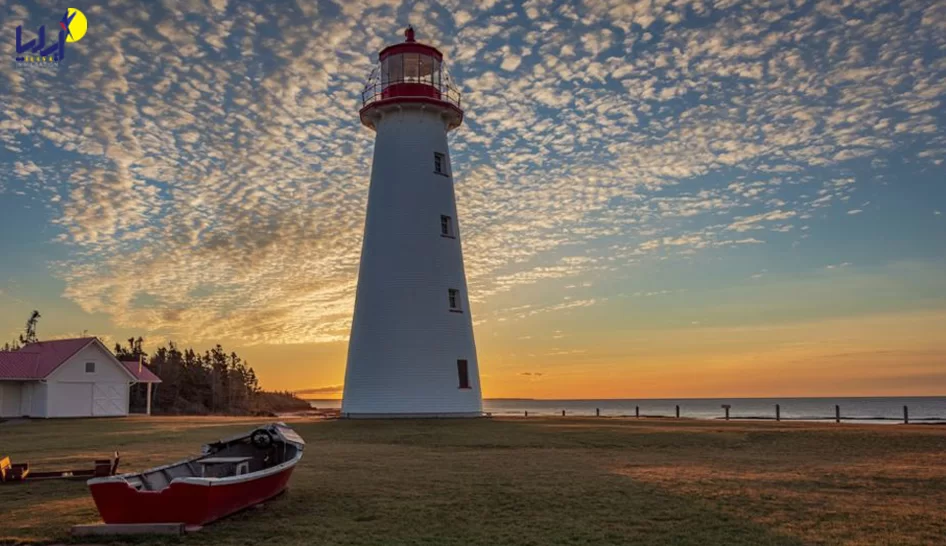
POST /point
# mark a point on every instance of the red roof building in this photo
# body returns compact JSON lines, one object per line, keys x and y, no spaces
{"x":141,"y":372}
{"x":67,"y":378}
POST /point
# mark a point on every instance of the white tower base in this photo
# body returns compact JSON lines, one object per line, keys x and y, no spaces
{"x":406,"y":340}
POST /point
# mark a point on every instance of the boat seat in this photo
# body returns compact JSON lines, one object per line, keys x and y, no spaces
{"x":159,"y":479}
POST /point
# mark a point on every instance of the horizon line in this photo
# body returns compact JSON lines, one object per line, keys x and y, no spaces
{"x":683,"y":398}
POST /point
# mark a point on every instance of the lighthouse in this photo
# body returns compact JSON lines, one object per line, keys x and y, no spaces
{"x":411,"y":352}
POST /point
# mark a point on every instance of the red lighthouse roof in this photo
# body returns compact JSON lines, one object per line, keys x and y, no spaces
{"x":410,"y":46}
{"x":410,"y":73}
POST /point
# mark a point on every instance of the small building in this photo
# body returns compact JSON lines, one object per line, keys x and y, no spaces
{"x":67,"y":378}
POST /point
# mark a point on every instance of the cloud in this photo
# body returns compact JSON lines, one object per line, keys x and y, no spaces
{"x":330,"y":389}
{"x":212,"y":154}
{"x":752,"y":222}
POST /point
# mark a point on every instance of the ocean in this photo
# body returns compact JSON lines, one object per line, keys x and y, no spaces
{"x":873,"y":409}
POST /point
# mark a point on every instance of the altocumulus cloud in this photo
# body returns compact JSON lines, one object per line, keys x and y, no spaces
{"x":210,"y":175}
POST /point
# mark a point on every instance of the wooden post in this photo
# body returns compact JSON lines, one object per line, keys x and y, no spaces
{"x":637,"y":412}
{"x":597,"y":412}
{"x":778,"y":413}
{"x":563,"y":413}
{"x":527,"y":413}
{"x":906,"y":415}
{"x":148,"y":404}
{"x":726,"y":407}
{"x":837,"y":413}
{"x":678,"y":412}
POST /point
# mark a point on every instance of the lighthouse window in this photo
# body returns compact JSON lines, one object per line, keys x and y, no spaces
{"x":435,"y":72}
{"x":410,"y":67}
{"x":454,"y":296}
{"x":392,"y":69}
{"x":440,"y":163}
{"x":425,"y":68}
{"x":446,"y":226}
{"x":463,"y":373}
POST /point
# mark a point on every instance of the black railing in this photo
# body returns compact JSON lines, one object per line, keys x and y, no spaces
{"x":375,"y":88}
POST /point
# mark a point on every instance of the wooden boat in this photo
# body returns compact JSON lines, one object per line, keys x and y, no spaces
{"x":229,"y":475}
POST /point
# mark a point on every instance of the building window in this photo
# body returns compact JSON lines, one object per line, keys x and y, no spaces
{"x":440,"y":163}
{"x":454,"y":295}
{"x":464,"y":374}
{"x":90,"y":367}
{"x":446,"y":226}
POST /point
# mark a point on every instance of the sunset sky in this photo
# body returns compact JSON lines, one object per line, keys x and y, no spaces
{"x":658,"y":198}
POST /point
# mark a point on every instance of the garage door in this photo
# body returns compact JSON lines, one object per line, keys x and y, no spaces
{"x":109,"y":399}
{"x":70,"y":399}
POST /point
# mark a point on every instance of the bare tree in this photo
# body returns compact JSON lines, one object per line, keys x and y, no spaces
{"x":30,"y":334}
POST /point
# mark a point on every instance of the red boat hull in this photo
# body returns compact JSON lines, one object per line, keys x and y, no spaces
{"x":183,"y":502}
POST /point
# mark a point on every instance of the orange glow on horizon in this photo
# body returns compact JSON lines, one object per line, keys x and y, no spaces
{"x":891,"y":354}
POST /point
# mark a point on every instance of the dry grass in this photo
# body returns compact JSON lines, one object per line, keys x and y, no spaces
{"x":535,"y":481}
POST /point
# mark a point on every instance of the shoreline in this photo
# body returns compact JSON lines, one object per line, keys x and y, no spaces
{"x":334,"y":413}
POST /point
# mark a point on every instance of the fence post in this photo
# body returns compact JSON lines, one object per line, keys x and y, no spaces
{"x":837,"y":413}
{"x":778,"y":413}
{"x":637,"y":412}
{"x":678,"y":412}
{"x":563,"y":413}
{"x":906,"y":416}
{"x":527,"y":413}
{"x":726,"y":407}
{"x":597,"y":412}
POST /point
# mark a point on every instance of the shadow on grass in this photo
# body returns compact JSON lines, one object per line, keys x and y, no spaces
{"x":487,"y":512}
{"x":538,"y":433}
{"x":803,"y":439}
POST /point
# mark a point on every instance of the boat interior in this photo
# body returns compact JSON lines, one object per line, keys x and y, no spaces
{"x":252,"y":453}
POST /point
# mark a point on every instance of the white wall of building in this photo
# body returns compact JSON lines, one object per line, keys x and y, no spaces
{"x":74,"y":392}
{"x":34,"y":399}
{"x":405,"y":342}
{"x":70,"y":400}
{"x":10,"y":398}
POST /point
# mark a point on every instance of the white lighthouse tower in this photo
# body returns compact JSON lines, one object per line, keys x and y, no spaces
{"x":411,"y":351}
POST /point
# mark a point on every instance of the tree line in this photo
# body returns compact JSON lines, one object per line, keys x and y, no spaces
{"x":193,"y":382}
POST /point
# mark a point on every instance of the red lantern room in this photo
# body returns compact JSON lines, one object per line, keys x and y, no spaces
{"x":410,"y":73}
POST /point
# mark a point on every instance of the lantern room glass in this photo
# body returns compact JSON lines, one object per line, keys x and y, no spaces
{"x":392,"y":70}
{"x":411,"y":68}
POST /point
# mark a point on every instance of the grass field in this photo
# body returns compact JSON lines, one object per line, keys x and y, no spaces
{"x":537,"y":481}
